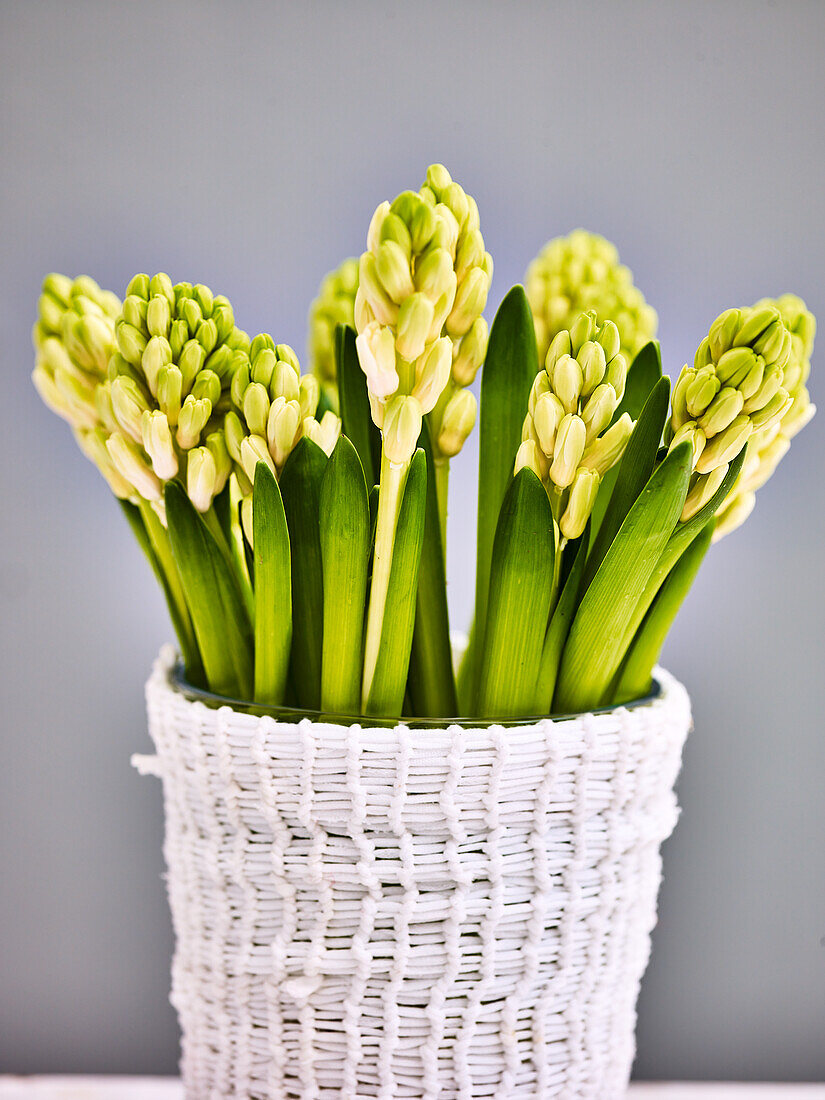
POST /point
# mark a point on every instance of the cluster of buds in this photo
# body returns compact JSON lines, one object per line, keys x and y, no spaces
{"x":422,"y":287}
{"x":733,"y":391}
{"x":334,"y":305}
{"x":769,"y":445}
{"x":74,"y":338}
{"x":568,"y":438}
{"x":582,"y":272}
{"x":273,"y":407}
{"x":177,"y":349}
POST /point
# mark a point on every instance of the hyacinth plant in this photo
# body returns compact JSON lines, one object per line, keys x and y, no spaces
{"x":297,"y":521}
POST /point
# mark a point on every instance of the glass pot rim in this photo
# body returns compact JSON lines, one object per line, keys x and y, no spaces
{"x":294,"y":715}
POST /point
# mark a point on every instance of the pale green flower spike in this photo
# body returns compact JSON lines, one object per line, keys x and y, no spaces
{"x":273,"y":407}
{"x":170,"y":376}
{"x":582,"y":272}
{"x":74,"y":338}
{"x":734,"y":391}
{"x":768,"y":446}
{"x":568,"y":440}
{"x":335,"y":305}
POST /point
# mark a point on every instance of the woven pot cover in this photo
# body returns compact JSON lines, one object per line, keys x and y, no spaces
{"x":411,"y":913}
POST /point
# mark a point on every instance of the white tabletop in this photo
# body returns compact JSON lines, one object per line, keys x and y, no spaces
{"x":163,"y":1088}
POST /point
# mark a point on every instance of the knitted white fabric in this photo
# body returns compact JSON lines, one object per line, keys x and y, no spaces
{"x":411,"y":913}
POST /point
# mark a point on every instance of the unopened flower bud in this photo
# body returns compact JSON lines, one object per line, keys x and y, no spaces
{"x":190,"y":361}
{"x":468,"y":354}
{"x":234,"y":434}
{"x":606,"y":451}
{"x":392,"y":267}
{"x":773,"y":412}
{"x":598,"y":410}
{"x":285,"y":381}
{"x":256,"y":408}
{"x":376,"y":223}
{"x":582,"y":330}
{"x":283,"y":429}
{"x":691,"y":433}
{"x":201,"y":477}
{"x":207,"y":386}
{"x":470,"y":300}
{"x":591,"y":359}
{"x":754,"y":324}
{"x":529,"y":456}
{"x":414,"y":319}
{"x":376,"y":354}
{"x":541,"y":384}
{"x":559,"y":346}
{"x":129,"y":404}
{"x":433,"y":373}
{"x":722,"y":411}
{"x":309,"y":392}
{"x":702,"y":489}
{"x":253,"y":451}
{"x":569,"y":448}
{"x":194,"y":416}
{"x":616,"y":374}
{"x":547,"y":416}
{"x":610,"y":340}
{"x":701,"y":391}
{"x":567,"y":382}
{"x":580,"y":503}
{"x":325,"y":433}
{"x":130,"y":341}
{"x":128,"y":460}
{"x":434,"y":275}
{"x":722,"y":332}
{"x":385,"y":310}
{"x":216,"y":443}
{"x":723,"y":448}
{"x":157,"y":442}
{"x":402,"y":427}
{"x":457,"y":422}
{"x":158,"y":316}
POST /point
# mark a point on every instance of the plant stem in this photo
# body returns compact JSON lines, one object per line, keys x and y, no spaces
{"x":159,"y":539}
{"x":393,"y":476}
{"x":442,"y":480}
{"x":232,"y":549}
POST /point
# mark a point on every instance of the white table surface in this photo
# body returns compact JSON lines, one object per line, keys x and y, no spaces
{"x":162,"y":1088}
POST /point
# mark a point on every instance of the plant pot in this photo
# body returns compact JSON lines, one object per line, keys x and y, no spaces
{"x":396,"y":912}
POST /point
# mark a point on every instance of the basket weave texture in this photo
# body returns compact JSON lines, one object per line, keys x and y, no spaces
{"x":456,"y":913}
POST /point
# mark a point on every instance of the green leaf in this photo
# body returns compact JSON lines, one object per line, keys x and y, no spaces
{"x":431,"y":684}
{"x":273,"y":589}
{"x":345,"y":551}
{"x":642,"y":375}
{"x":510,"y":367}
{"x":386,"y":696}
{"x":559,"y":628}
{"x":637,"y":670}
{"x":301,"y":492}
{"x":166,"y":572}
{"x":594,"y":648}
{"x":521,"y":583}
{"x":633,"y":471}
{"x":683,"y":535}
{"x":214,"y":598}
{"x":356,"y":418}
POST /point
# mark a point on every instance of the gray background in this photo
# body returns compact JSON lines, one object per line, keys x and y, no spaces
{"x":246,"y":146}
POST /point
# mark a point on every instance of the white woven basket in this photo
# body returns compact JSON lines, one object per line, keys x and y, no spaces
{"x":400,"y":913}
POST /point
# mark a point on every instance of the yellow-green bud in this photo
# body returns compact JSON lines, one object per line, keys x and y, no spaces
{"x":159,"y":284}
{"x":567,"y":382}
{"x":207,"y":385}
{"x":324,"y":433}
{"x":468,"y":354}
{"x":256,"y":408}
{"x":382,"y":306}
{"x":598,"y":410}
{"x":309,"y":393}
{"x":701,"y":391}
{"x":434,"y":275}
{"x":754,"y":324}
{"x":157,"y":442}
{"x":129,"y":462}
{"x":591,"y":359}
{"x":723,"y":448}
{"x":606,"y":451}
{"x":773,"y":412}
{"x":569,"y":448}
{"x":216,"y":443}
{"x":616,"y":374}
{"x":282,"y":429}
{"x":234,"y":434}
{"x":580,"y":503}
{"x":158,"y":316}
{"x":157,"y":355}
{"x":432,"y":373}
{"x":470,"y":300}
{"x":694,"y":435}
{"x":722,"y":332}
{"x":285,"y":381}
{"x":129,"y":404}
{"x":702,"y":489}
{"x":190,"y":361}
{"x":547,"y":416}
{"x":722,"y":411}
{"x":130,"y":341}
{"x":457,"y":422}
{"x":402,"y":427}
{"x":193,"y":418}
{"x":560,"y":345}
{"x":253,"y":451}
{"x":201,"y":477}
{"x":540,"y":386}
{"x":530,"y":457}
{"x":376,"y":354}
{"x":170,"y":393}
{"x":415,"y":316}
{"x":392,"y":266}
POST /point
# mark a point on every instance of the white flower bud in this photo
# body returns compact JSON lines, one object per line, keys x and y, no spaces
{"x":376,"y":354}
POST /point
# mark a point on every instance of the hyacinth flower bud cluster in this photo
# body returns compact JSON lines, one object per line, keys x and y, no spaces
{"x":734,"y":390}
{"x":569,"y":438}
{"x":582,"y":272}
{"x":177,"y":349}
{"x":422,"y":286}
{"x":74,"y":338}
{"x":334,"y":305}
{"x":769,"y":445}
{"x":273,"y":407}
